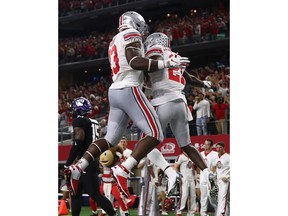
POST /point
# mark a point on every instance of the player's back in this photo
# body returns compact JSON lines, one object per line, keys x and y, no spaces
{"x":167,"y":84}
{"x":122,"y":74}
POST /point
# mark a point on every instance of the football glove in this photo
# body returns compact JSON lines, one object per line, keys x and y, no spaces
{"x":176,"y":62}
{"x":207,"y":84}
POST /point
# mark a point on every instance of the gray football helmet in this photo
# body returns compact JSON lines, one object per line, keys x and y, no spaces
{"x":132,"y":19}
{"x":157,"y":38}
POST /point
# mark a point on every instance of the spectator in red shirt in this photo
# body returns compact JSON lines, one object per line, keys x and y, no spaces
{"x":220,"y":110}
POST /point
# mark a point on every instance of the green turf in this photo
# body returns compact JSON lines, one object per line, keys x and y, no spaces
{"x":86,"y":211}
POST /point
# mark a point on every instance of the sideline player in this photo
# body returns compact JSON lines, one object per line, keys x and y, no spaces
{"x":184,"y":164}
{"x":127,"y":100}
{"x":84,"y":131}
{"x":209,"y":156}
{"x":222,"y":166}
{"x":171,"y":105}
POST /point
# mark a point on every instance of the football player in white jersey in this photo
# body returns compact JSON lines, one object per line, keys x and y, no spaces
{"x":209,"y":156}
{"x":127,"y":101}
{"x":222,"y":167}
{"x":184,"y":164}
{"x":169,"y":102}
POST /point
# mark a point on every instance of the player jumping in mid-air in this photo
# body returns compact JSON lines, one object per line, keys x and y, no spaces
{"x":170,"y":103}
{"x":127,"y":61}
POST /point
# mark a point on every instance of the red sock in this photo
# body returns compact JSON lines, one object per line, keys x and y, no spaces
{"x":93,"y":205}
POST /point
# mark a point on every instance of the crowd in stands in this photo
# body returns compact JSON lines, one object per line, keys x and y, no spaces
{"x":97,"y":93}
{"x":199,"y":26}
{"x":74,"y":7}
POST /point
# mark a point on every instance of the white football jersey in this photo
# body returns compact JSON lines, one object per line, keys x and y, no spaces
{"x":208,"y":158}
{"x":186,"y":166}
{"x":122,"y":74}
{"x":168,"y":83}
{"x":222,"y":165}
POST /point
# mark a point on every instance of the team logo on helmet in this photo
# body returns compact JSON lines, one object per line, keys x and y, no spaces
{"x":81,"y":106}
{"x":157,"y":38}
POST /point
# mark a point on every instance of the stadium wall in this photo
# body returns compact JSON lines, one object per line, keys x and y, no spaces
{"x":169,"y":147}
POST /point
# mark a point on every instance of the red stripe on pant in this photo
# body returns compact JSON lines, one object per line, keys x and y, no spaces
{"x":149,"y":117}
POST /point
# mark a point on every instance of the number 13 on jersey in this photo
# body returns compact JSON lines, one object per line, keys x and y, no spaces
{"x":113,"y":58}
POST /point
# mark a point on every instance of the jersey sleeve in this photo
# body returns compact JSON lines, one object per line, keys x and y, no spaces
{"x":154,"y":51}
{"x":131,"y":36}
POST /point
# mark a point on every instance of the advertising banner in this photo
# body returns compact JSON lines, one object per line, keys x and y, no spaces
{"x":169,"y":147}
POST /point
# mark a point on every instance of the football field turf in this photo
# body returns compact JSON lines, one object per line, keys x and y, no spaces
{"x":86,"y":211}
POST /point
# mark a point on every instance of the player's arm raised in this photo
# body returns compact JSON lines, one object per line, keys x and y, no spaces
{"x":137,"y":62}
{"x":194,"y":81}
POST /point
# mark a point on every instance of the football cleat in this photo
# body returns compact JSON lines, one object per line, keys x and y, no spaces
{"x":213,"y":185}
{"x":72,"y":175}
{"x":172,"y":182}
{"x":120,"y":174}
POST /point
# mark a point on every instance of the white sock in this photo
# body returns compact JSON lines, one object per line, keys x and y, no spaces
{"x":170,"y":172}
{"x":156,"y":157}
{"x":83,"y":163}
{"x":129,"y":163}
{"x":206,"y":172}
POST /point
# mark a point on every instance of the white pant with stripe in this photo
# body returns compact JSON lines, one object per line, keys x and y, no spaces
{"x":131,"y":103}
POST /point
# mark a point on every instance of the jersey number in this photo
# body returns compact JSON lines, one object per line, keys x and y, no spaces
{"x":113,"y":59}
{"x":175,"y":75}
